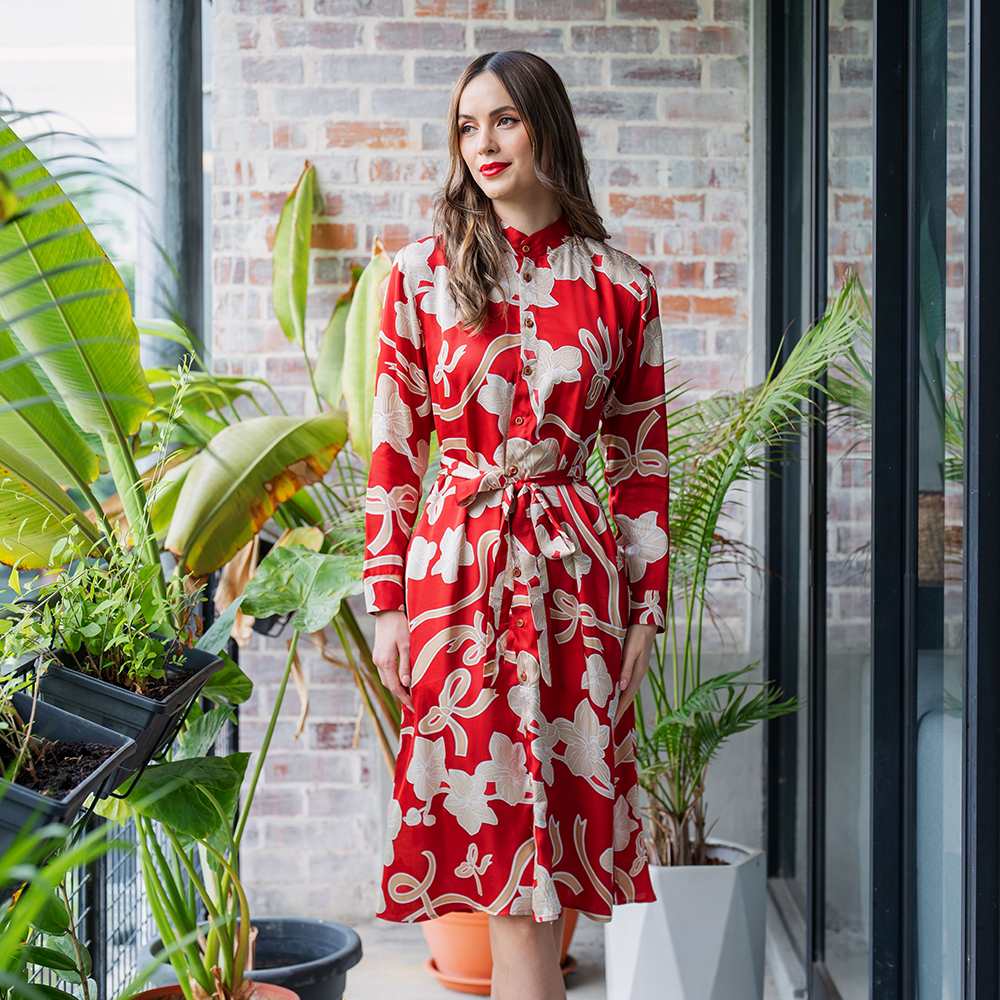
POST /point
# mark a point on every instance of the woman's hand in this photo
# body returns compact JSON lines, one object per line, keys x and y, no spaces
{"x":639,"y":641}
{"x":391,"y":653}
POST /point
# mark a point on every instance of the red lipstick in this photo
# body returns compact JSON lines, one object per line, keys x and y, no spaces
{"x":492,"y":169}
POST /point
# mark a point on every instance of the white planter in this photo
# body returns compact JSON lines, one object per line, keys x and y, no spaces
{"x":703,"y":938}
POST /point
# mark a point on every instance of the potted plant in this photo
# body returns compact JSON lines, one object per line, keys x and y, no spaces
{"x":704,"y":937}
{"x":193,"y":879}
{"x":50,"y":762}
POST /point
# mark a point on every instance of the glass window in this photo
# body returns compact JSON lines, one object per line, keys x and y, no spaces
{"x":848,"y":554}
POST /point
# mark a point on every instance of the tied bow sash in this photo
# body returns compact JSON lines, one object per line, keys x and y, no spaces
{"x":552,"y":540}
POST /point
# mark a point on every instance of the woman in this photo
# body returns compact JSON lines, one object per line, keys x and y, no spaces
{"x":514,"y":626}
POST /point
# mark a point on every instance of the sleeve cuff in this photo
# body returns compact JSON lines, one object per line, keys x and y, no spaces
{"x":384,"y":593}
{"x":647,"y":610}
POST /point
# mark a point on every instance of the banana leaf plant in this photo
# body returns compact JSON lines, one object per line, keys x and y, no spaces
{"x":717,"y":447}
{"x":75,"y":402}
{"x":190,"y":814}
{"x":323,"y":491}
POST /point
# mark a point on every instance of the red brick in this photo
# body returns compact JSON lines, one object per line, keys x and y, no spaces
{"x":246,"y":35}
{"x":559,"y":10}
{"x":655,"y":72}
{"x":488,"y":10}
{"x":395,"y":236}
{"x":276,"y":801}
{"x":592,"y":38}
{"x":723,"y":308}
{"x":956,"y":274}
{"x":848,"y":42}
{"x":293,"y":7}
{"x":730,"y":10}
{"x":709,"y":41}
{"x":261,"y":271}
{"x":288,"y":136}
{"x":318,"y":34}
{"x":386,"y":169}
{"x":614,"y":104}
{"x":729,"y":274}
{"x":956,"y":205}
{"x":542,"y":40}
{"x":354,"y":8}
{"x":333,"y":236}
{"x":427,"y":35}
{"x":675,"y":307}
{"x":634,"y":241}
{"x":657,"y":10}
{"x":284,"y":69}
{"x":692,"y":105}
{"x":332,"y":735}
{"x":686,"y":274}
{"x":441,"y":8}
{"x":373,"y":135}
{"x":649,"y":206}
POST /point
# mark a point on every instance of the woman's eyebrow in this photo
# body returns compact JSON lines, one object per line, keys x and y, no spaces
{"x":492,"y":114}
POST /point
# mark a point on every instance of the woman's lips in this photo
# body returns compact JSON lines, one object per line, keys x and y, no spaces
{"x":492,"y":169}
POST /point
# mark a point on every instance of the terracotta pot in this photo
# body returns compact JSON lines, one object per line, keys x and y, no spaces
{"x":262,"y":991}
{"x":460,"y":950}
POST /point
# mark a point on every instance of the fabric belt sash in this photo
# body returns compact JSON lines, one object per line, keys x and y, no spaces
{"x":551,"y":538}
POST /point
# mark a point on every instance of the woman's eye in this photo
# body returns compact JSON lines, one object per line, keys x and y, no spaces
{"x":506,"y":119}
{"x":465,"y":129}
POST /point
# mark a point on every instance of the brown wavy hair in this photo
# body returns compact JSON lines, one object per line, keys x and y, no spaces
{"x":465,"y":220}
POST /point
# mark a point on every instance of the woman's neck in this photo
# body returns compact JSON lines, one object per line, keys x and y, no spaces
{"x":528,"y":216}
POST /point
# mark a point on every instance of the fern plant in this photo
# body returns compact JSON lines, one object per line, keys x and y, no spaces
{"x":717,"y":447}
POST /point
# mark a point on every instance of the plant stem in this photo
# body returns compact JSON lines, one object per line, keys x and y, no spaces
{"x":312,"y":377}
{"x":259,"y":766}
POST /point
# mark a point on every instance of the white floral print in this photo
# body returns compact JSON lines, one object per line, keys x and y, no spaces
{"x":506,"y":768}
{"x":466,"y":800}
{"x":643,"y":541}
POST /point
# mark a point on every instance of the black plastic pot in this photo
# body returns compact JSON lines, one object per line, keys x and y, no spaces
{"x":316,"y":953}
{"x":151,"y":723}
{"x":22,"y":808}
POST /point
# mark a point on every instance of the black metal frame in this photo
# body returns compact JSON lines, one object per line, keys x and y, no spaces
{"x":981,"y":878}
{"x":794,"y":214}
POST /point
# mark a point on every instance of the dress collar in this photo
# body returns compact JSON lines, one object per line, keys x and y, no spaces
{"x":540,"y":243}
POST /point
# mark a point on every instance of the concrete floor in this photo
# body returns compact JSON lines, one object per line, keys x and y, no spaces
{"x":394,"y":956}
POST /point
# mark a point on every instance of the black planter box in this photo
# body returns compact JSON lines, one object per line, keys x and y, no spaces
{"x":316,"y":955}
{"x":149,"y":722}
{"x":20,"y":807}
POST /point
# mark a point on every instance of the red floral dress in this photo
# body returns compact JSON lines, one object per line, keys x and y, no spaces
{"x":512,"y":793}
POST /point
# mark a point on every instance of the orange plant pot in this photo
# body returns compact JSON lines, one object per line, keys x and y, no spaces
{"x":460,"y":950}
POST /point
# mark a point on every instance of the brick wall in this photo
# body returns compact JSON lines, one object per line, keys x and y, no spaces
{"x":359,"y":87}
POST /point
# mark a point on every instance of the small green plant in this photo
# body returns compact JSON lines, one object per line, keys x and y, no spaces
{"x":717,"y":446}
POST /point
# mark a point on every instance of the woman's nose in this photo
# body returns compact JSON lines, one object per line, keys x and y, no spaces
{"x":487,"y":142}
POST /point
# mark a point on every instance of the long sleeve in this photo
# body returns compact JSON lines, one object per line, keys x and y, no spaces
{"x":634,"y":443}
{"x":401,"y":428}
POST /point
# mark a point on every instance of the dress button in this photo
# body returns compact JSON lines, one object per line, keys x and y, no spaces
{"x":518,"y":421}
{"x":527,"y":371}
{"x":517,"y":571}
{"x":512,"y":471}
{"x":520,"y":623}
{"x":529,"y":322}
{"x":527,"y":277}
{"x":522,"y":676}
{"x":525,"y":248}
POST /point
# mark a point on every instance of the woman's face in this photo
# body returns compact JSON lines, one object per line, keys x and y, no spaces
{"x":494,"y":143}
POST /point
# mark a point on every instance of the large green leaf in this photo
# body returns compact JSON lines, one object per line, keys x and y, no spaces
{"x":329,"y":374}
{"x":291,"y":257}
{"x":66,"y":304}
{"x":239,"y":479}
{"x":36,"y":515}
{"x":361,"y":350}
{"x":294,"y":578}
{"x":179,"y":794}
{"x":31,"y":421}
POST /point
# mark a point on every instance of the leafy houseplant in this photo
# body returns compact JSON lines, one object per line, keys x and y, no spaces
{"x":718,"y":446}
{"x":193,"y":877}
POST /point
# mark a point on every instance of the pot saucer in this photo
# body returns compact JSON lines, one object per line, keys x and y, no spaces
{"x":472,"y":984}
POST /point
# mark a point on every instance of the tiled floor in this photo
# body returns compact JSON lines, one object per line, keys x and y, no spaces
{"x":392,"y":966}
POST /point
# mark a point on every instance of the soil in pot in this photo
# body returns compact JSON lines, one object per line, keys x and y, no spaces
{"x":54,"y":768}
